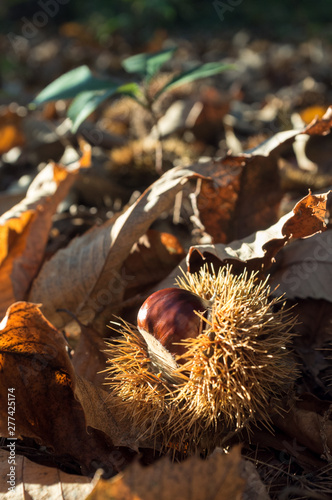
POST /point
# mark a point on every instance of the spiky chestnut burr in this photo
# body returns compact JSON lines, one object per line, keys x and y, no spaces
{"x":232,"y":371}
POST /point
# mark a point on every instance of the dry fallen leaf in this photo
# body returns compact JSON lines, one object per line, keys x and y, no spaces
{"x":152,"y":258}
{"x":257,"y":251}
{"x":36,"y":365}
{"x":314,"y":323}
{"x":92,"y":276}
{"x":305,"y":268}
{"x":218,"y":197}
{"x":34,"y":481}
{"x":217,"y":478}
{"x":309,"y":217}
{"x":103,"y":412}
{"x":309,"y":421}
{"x":14,"y":236}
{"x":24,"y":230}
{"x":244,"y":193}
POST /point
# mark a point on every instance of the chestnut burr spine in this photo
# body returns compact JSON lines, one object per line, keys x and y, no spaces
{"x":234,"y":372}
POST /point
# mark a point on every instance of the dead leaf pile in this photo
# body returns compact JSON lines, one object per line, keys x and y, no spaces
{"x":61,"y":405}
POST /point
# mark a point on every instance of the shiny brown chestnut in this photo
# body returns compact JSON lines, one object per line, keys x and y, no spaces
{"x":169,"y":315}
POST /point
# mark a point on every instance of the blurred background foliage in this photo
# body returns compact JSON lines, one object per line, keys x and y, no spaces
{"x":137,"y":19}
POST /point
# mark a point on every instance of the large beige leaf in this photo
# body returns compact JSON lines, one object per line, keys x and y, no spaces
{"x":90,"y":277}
{"x":24,"y":230}
{"x":34,"y":482}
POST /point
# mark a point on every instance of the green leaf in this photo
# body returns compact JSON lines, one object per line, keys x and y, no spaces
{"x":130,"y":89}
{"x":85,"y":103}
{"x":201,"y":71}
{"x":72,"y":83}
{"x":147,"y":65}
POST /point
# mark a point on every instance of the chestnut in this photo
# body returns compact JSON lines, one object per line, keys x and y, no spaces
{"x":169,"y":315}
{"x":235,"y":367}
